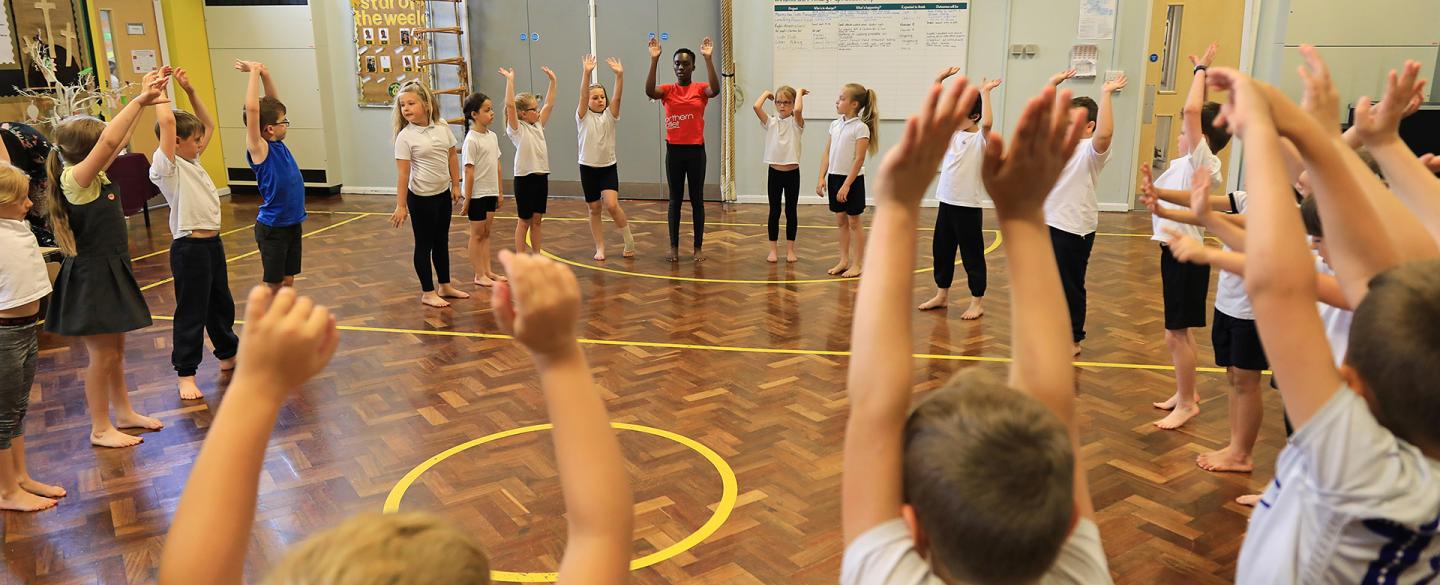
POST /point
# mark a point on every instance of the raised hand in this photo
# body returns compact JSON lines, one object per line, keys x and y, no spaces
{"x":587,"y":64}
{"x":1380,"y":123}
{"x":1207,"y":58}
{"x":1431,"y":162}
{"x":707,"y":48}
{"x":152,"y":88}
{"x":247,"y":66}
{"x":614,"y":65}
{"x":988,"y":84}
{"x":1020,"y":177}
{"x":909,"y":167}
{"x":1115,"y":85}
{"x":548,"y":73}
{"x":654,"y":46}
{"x":288,"y":339}
{"x":803,"y":91}
{"x":945,"y":73}
{"x":182,"y":77}
{"x":1321,"y":99}
{"x":1246,"y":105}
{"x":1058,"y":78}
{"x":540,"y":305}
{"x":768,"y":95}
{"x":507,"y":73}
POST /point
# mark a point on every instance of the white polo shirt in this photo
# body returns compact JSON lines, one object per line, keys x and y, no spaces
{"x":194,"y":203}
{"x":428,"y":150}
{"x":844,"y":134}
{"x":885,"y":555}
{"x":22,"y":270}
{"x":1230,"y":297}
{"x":531,"y":155}
{"x":597,"y":138}
{"x":1177,"y":177}
{"x":959,"y":182}
{"x":482,"y":150}
{"x":782,"y":141}
{"x":1071,"y":206}
{"x":1336,"y":320}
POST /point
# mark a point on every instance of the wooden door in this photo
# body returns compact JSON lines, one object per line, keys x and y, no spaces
{"x":129,"y":38}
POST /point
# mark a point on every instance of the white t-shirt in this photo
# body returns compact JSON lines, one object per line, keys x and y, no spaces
{"x":960,"y":171}
{"x":1350,"y":503}
{"x":1230,"y":297}
{"x":844,"y":133}
{"x":1071,"y":206}
{"x":428,"y":150}
{"x":22,"y":270}
{"x":885,"y":555}
{"x":1177,"y":177}
{"x":597,"y":138}
{"x":782,"y":141}
{"x":482,"y":149}
{"x":194,"y":203}
{"x":531,"y":155}
{"x":1337,"y":320}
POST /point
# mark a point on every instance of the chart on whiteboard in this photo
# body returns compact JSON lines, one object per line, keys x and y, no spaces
{"x":894,"y":48}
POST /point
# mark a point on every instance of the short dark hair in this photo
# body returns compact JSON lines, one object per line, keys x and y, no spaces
{"x":977,"y":112}
{"x":472,"y":104}
{"x":186,"y":125}
{"x":271,"y":111}
{"x":1092,"y":109}
{"x":1310,"y":214}
{"x":991,"y":475}
{"x":1393,"y":347}
{"x":1217,"y":138}
{"x":683,"y":51}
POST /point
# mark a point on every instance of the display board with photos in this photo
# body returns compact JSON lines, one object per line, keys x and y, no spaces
{"x":388,"y":50}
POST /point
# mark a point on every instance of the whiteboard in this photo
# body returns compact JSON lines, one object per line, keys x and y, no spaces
{"x":894,"y":48}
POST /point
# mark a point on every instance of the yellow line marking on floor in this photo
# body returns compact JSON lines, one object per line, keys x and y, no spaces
{"x":254,"y":252}
{"x":167,"y":250}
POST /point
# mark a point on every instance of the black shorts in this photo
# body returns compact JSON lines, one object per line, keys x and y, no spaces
{"x":279,"y":251}
{"x":479,"y":206}
{"x":1185,"y":286}
{"x":1237,"y":343}
{"x":532,"y":191}
{"x":854,"y":203}
{"x":594,"y":181}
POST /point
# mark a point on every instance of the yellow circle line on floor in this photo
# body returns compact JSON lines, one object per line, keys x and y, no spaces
{"x":729,"y":493}
{"x":988,"y":249}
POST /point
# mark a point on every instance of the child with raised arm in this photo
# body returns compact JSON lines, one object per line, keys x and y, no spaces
{"x":203,"y":304}
{"x":96,"y":297}
{"x":1072,"y":211}
{"x":483,"y":197}
{"x":782,"y":153}
{"x":428,"y":174}
{"x":842,"y":171}
{"x":982,"y":482}
{"x":287,"y":341}
{"x":595,"y":120}
{"x":961,"y":196}
{"x":525,"y":123}
{"x":277,"y":176}
{"x":1355,"y":497}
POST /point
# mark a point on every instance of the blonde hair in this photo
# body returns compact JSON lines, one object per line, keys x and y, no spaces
{"x":869,"y":111}
{"x":14,"y":184}
{"x":73,"y":139}
{"x":785,"y":90}
{"x":427,"y":99}
{"x":394,"y":549}
{"x":522,"y":100}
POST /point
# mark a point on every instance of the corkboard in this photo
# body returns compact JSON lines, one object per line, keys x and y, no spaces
{"x":388,"y":51}
{"x":26,"y":20}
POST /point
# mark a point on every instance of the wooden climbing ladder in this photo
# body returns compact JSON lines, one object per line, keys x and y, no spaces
{"x":458,"y":61}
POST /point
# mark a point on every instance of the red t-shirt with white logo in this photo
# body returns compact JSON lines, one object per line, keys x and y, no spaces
{"x":685,"y":112}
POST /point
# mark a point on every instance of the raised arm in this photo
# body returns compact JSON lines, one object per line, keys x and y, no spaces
{"x":512,"y":120}
{"x":116,"y":133}
{"x":759,"y":107}
{"x":1059,"y":78}
{"x":1018,"y":180}
{"x":1195,"y":100}
{"x":287,"y":341}
{"x":587,"y":67}
{"x":650,"y":91}
{"x":879,"y":381}
{"x":1185,"y":249}
{"x":1105,"y":118}
{"x":707,"y":50}
{"x":207,"y":122}
{"x":549,"y":97}
{"x":540,"y":306}
{"x":268,"y":81}
{"x":986,"y":119}
{"x":799,"y":112}
{"x":254,"y":140}
{"x":1379,"y":127}
{"x":619,"y":72}
{"x":165,"y":121}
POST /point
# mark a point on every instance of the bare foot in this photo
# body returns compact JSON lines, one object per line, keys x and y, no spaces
{"x":838,"y":268}
{"x":628,"y":253}
{"x":42,"y":489}
{"x":791,"y":257}
{"x":1248,"y":500}
{"x":1178,"y":416}
{"x":23,"y":501}
{"x":936,"y":302}
{"x":699,"y":257}
{"x":496,"y":277}
{"x":189,"y":390}
{"x":449,"y":291}
{"x":600,"y":255}
{"x":1169,"y":403}
{"x":1077,"y":348}
{"x":973,"y":312}
{"x":227,"y":365}
{"x":772,"y":258}
{"x":434,"y":300}
{"x":1225,"y":460}
{"x":115,"y":439}
{"x":673,"y":255}
{"x":484,"y":281}
{"x":135,"y":420}
{"x":853,"y":272}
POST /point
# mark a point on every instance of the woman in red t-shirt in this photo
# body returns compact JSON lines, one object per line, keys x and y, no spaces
{"x":684,"y":136}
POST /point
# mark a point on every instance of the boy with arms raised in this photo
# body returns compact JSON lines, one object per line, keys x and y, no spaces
{"x":277,"y":176}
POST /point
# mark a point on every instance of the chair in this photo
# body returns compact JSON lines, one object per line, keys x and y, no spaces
{"x":131,"y":175}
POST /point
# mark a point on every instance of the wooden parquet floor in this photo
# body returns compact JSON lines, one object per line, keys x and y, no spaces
{"x":753,"y":371}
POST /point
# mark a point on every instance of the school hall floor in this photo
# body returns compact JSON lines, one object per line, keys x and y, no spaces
{"x":747,"y":374}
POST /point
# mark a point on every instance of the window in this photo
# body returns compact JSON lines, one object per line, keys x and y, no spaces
{"x":1168,"y":65}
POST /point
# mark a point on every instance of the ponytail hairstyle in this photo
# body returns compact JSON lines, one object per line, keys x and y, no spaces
{"x":869,"y":111}
{"x":74,"y":138}
{"x":473,"y":104}
{"x":427,"y":99}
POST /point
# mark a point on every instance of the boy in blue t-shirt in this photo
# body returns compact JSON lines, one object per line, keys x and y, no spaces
{"x":277,"y":226}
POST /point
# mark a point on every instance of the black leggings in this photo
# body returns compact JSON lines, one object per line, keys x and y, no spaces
{"x":686,"y":161}
{"x":958,"y":225}
{"x":786,"y":183}
{"x":430,"y":220}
